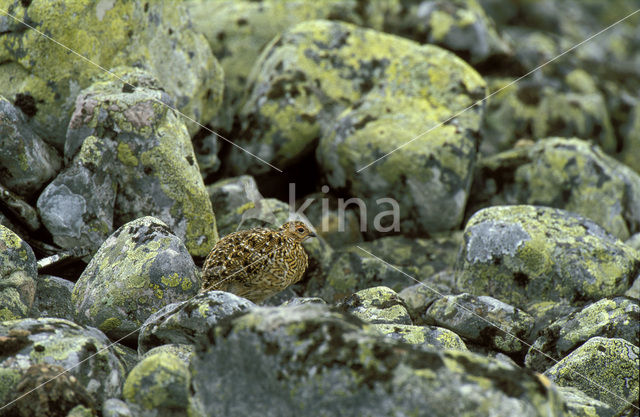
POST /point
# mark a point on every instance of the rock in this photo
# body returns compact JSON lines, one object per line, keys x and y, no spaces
{"x":420,"y":296}
{"x":153,"y":36}
{"x":377,"y":305}
{"x":230,"y":194}
{"x":182,"y":323}
{"x":580,"y":404}
{"x":631,"y":139}
{"x":62,"y":393}
{"x":429,"y":336}
{"x":610,"y":317}
{"x":546,"y":312}
{"x":77,"y":206}
{"x":159,"y":385}
{"x":351,"y":272}
{"x":524,"y":254}
{"x":460,"y":26}
{"x":81,"y":411}
{"x":237,"y":48}
{"x":604,"y":369}
{"x":206,"y":150}
{"x":483,"y":320}
{"x":18,"y":276}
{"x":315,"y":358}
{"x":84,"y":351}
{"x":26,"y":161}
{"x":114,"y":407}
{"x":570,"y":174}
{"x":419,"y":257}
{"x":338,"y":226}
{"x":144,"y":152}
{"x":139,"y":269}
{"x":183,"y":351}
{"x":53,"y":297}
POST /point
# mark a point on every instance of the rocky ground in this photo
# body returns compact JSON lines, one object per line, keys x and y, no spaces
{"x":508,"y":284}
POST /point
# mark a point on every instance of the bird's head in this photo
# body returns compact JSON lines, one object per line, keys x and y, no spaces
{"x":297,"y":230}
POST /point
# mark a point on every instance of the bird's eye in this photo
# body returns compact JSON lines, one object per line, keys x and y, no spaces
{"x":300,"y":230}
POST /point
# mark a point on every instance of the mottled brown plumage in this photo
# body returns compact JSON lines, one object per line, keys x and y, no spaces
{"x":257,"y":263}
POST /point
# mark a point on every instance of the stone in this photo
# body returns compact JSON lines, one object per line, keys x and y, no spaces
{"x":615,"y":317}
{"x":114,"y":407}
{"x":26,"y":161}
{"x":351,"y":272}
{"x":45,"y":79}
{"x":18,"y":276}
{"x":483,"y":320}
{"x":145,"y":152}
{"x":604,"y":369}
{"x":427,"y":336}
{"x":63,"y":343}
{"x":460,"y":26}
{"x":569,"y":174}
{"x":377,"y":305}
{"x":182,"y":323}
{"x":316,"y":358}
{"x":53,"y":297}
{"x":420,"y":296}
{"x":139,"y":269}
{"x":159,"y":384}
{"x":77,"y":206}
{"x":237,"y":49}
{"x":581,"y":405}
{"x":523,"y":254}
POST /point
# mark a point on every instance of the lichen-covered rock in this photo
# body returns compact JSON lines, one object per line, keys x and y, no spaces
{"x":377,"y":305}
{"x":26,"y":161}
{"x":460,"y":26}
{"x":420,"y":296}
{"x":610,"y":317}
{"x":182,"y":323}
{"x":570,"y":174}
{"x":351,"y":272}
{"x":139,"y":269}
{"x":539,"y":109}
{"x":63,"y":343}
{"x":114,"y":407}
{"x":419,"y":257}
{"x":312,"y":359}
{"x":63,"y":392}
{"x":144,"y":148}
{"x":580,"y":404}
{"x":53,"y":297}
{"x":239,"y":30}
{"x":183,"y":351}
{"x":77,"y":206}
{"x":631,"y":139}
{"x":546,"y":312}
{"x":81,"y":411}
{"x":18,"y":276}
{"x":159,"y":385}
{"x":523,"y":254}
{"x":337,"y":225}
{"x":483,"y":320}
{"x":45,"y":79}
{"x":430,"y":336}
{"x":604,"y":369}
{"x":230,"y":194}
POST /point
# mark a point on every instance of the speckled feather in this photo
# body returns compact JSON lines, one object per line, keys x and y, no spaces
{"x":257,"y":263}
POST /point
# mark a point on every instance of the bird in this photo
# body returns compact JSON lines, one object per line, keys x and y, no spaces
{"x":257,"y":263}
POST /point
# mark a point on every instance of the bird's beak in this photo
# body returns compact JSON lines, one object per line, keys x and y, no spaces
{"x":312,"y":234}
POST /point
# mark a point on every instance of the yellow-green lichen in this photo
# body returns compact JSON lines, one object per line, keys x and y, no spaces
{"x":110,"y":324}
{"x":126,"y":155}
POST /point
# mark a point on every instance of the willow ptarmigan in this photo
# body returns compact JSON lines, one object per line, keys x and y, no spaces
{"x":257,"y":263}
